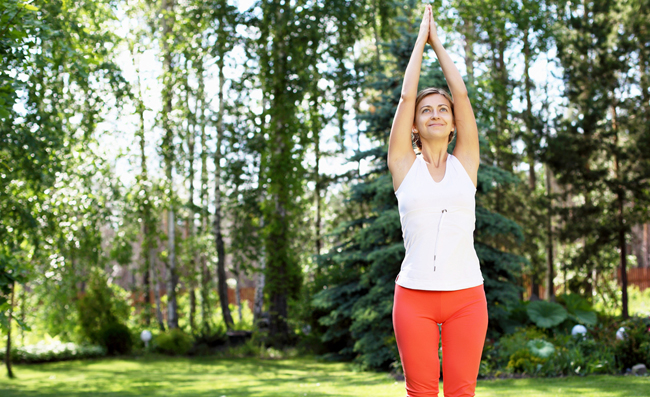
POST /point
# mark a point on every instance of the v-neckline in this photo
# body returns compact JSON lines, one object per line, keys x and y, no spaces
{"x":429,"y":172}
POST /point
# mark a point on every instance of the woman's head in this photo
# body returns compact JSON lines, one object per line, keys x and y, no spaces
{"x":434,"y":116}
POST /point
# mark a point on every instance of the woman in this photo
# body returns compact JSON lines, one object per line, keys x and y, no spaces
{"x":440,"y":280}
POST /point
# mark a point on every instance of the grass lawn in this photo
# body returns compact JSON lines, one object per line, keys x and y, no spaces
{"x":171,"y":377}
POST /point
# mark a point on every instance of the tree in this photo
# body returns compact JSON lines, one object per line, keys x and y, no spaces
{"x":596,"y":157}
{"x":284,"y":56}
{"x":56,"y":63}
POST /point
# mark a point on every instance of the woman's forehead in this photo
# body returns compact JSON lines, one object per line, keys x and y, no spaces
{"x":434,"y":100}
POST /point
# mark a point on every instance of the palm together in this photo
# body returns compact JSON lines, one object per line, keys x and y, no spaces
{"x":428,"y":29}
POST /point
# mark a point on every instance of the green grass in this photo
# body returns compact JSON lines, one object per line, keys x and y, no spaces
{"x":171,"y":377}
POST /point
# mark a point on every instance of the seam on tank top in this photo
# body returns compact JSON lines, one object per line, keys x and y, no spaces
{"x":435,"y":249}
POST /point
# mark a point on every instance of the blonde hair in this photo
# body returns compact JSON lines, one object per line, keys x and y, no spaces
{"x":423,"y":94}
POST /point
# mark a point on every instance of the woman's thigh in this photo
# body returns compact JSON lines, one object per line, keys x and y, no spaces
{"x":417,"y":335}
{"x":463,"y":337}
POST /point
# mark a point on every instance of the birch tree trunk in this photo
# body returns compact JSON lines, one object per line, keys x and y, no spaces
{"x":221,"y":251}
{"x":153,"y":274}
{"x":168,"y":154}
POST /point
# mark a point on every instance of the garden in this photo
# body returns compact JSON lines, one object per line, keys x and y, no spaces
{"x":195,"y":196}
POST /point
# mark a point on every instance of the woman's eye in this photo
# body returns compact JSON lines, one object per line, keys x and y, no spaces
{"x":425,"y":110}
{"x":443,"y":109}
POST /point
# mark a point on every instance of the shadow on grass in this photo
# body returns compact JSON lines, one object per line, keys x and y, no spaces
{"x":188,"y":377}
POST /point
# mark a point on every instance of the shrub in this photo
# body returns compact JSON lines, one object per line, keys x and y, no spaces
{"x":634,"y":347}
{"x":523,"y":361}
{"x":99,"y":307}
{"x":116,"y":338}
{"x":508,"y":345}
{"x":174,"y":342}
{"x":51,"y":352}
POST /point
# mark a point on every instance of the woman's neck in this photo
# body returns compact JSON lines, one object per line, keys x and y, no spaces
{"x":435,"y":154}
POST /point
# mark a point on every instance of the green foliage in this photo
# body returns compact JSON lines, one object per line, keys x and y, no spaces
{"x":579,"y":309}
{"x":44,"y":353}
{"x":524,"y":361}
{"x":173,"y":342}
{"x":546,"y":314}
{"x":101,"y":312}
{"x":634,"y":348}
{"x":116,"y":338}
{"x":540,"y":348}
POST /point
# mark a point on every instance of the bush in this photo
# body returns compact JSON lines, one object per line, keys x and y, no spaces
{"x":99,"y":308}
{"x":174,"y":342}
{"x":116,"y":338}
{"x":634,"y":348}
{"x":43,"y":353}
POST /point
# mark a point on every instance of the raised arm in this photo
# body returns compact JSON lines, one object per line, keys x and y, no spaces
{"x":467,"y":144}
{"x":400,"y":149}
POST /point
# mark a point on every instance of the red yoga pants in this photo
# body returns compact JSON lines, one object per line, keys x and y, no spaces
{"x":463,"y":317}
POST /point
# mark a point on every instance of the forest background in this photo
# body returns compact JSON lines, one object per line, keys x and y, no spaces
{"x":154,"y":153}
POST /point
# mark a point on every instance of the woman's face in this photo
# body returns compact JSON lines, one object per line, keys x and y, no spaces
{"x":433,"y":118}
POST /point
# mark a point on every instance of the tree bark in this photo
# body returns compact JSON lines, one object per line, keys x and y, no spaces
{"x":316,"y":129}
{"x":550,"y":269}
{"x":259,"y":285}
{"x":10,"y":372}
{"x":153,"y":274}
{"x":206,"y":277}
{"x":168,"y":153}
{"x":190,"y":223}
{"x":221,"y":251}
{"x":469,"y":35}
{"x":530,"y":146}
{"x":238,"y":295}
{"x":620,"y":198}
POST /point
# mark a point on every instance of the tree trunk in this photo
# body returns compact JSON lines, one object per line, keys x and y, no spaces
{"x":10,"y":373}
{"x":190,"y":223}
{"x":145,"y":209}
{"x":620,"y":198}
{"x":221,"y":251}
{"x":153,"y":274}
{"x":550,"y":269}
{"x":192,"y":318}
{"x":259,"y":285}
{"x":316,"y":129}
{"x":146,"y":277}
{"x":168,"y":153}
{"x":530,"y":146}
{"x":238,"y":295}
{"x":469,"y":35}
{"x":206,"y":277}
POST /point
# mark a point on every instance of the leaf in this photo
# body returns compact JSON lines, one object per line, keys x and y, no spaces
{"x":28,"y":7}
{"x":546,"y":314}
{"x":580,"y":308}
{"x":586,"y":317}
{"x":574,"y":302}
{"x":541,"y":348}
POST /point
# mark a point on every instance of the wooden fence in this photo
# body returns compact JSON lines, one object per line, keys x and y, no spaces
{"x":247,"y":294}
{"x":639,"y":276}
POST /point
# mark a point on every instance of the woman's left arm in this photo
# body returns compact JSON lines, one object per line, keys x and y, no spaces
{"x":467,"y":144}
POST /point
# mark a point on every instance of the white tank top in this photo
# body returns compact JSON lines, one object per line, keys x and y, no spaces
{"x":438,"y":223}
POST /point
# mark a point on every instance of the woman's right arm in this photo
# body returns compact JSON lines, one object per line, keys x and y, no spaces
{"x":400,"y":147}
